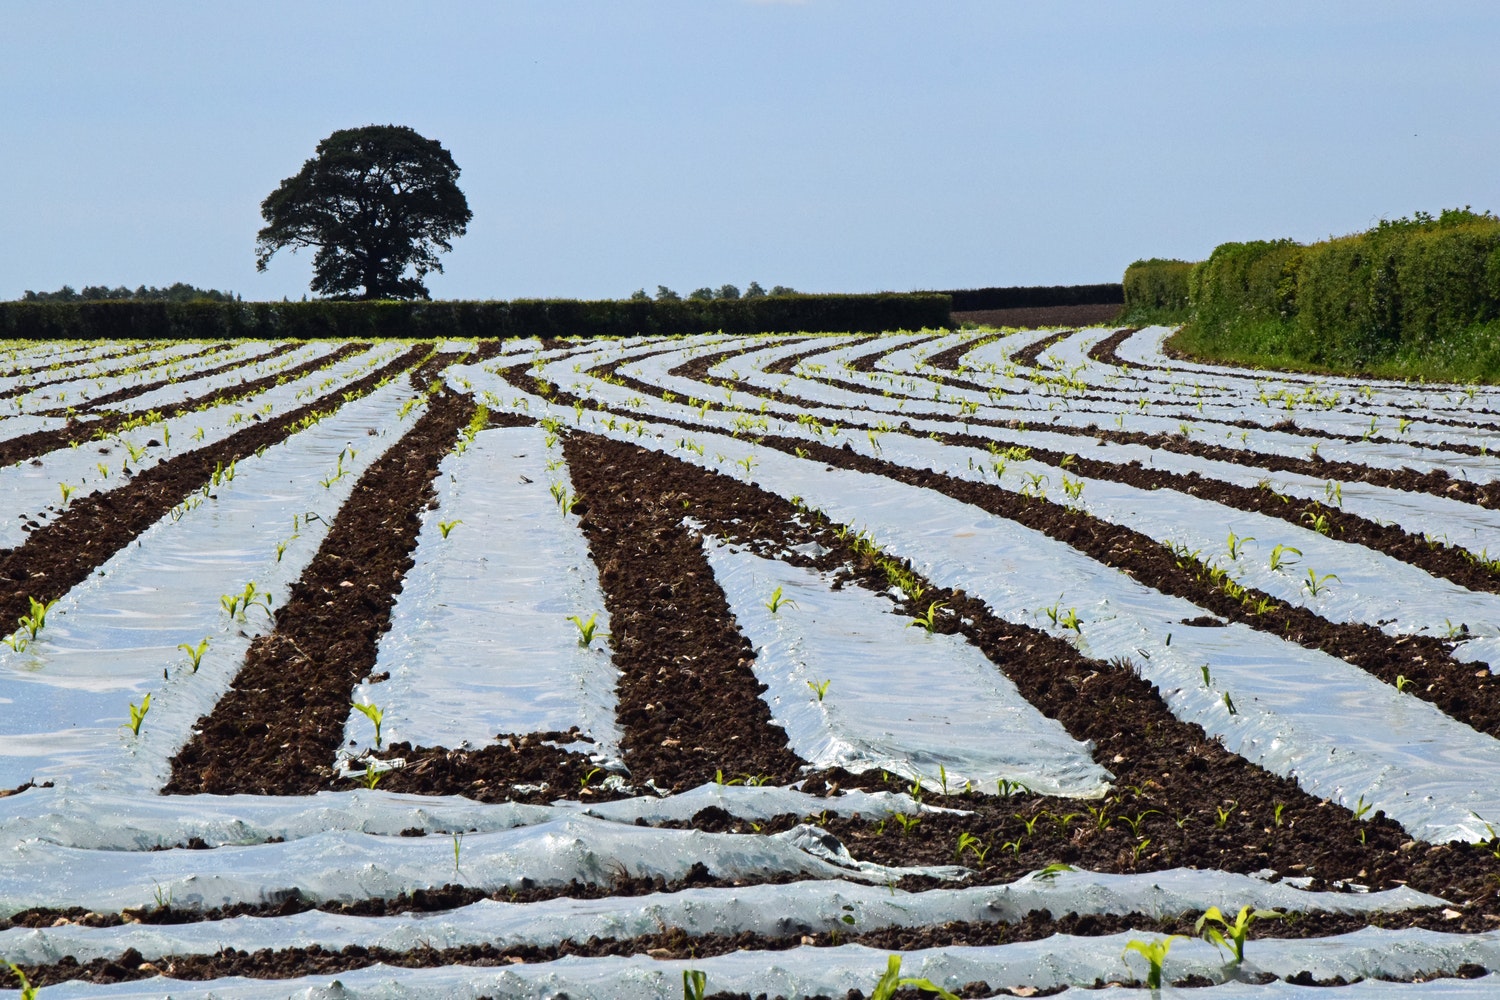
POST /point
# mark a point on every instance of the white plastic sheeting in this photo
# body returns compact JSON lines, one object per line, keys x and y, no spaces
{"x":806,"y":907}
{"x":34,"y":489}
{"x":1355,"y":584}
{"x":1054,"y":962}
{"x":1297,"y":712}
{"x":113,"y":638}
{"x":340,"y":865}
{"x":480,"y":642}
{"x":896,"y":698}
{"x":90,"y":819}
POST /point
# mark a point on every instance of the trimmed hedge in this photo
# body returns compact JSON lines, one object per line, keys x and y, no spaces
{"x":977,"y":299}
{"x":1157,"y":289}
{"x":519,"y":318}
{"x":1404,"y":289}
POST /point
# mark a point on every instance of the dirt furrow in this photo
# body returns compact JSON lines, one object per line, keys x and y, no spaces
{"x":270,"y":735}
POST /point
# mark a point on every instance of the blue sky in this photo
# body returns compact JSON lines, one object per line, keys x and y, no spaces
{"x":829,"y":145}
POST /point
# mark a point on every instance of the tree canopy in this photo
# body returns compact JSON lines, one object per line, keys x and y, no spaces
{"x":374,"y":202}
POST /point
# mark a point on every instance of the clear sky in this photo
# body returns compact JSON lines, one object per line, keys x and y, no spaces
{"x":828,"y":145}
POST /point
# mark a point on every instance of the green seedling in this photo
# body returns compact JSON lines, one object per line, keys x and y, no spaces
{"x":1278,"y":555}
{"x":1155,"y":954}
{"x":1402,"y":682}
{"x":1072,"y":487}
{"x":195,"y":653}
{"x":37,"y":620}
{"x":458,"y":843}
{"x":777,"y":602}
{"x":1207,"y":677}
{"x":447,"y":526}
{"x":374,"y":713}
{"x":28,"y":992}
{"x":1237,"y":544}
{"x":694,"y":984}
{"x":586,"y":629}
{"x":250,"y":597}
{"x":138,"y":714}
{"x":67,"y":492}
{"x":929,"y":620}
{"x":1361,"y":808}
{"x":819,"y":688}
{"x":1070,"y":621}
{"x":372,"y":776}
{"x":281,"y":548}
{"x":908,"y":823}
{"x":1318,"y":522}
{"x":1006,"y":787}
{"x":972,"y":844}
{"x":1229,"y":704}
{"x":1231,"y":935}
{"x":892,"y":980}
{"x":1050,"y":872}
{"x":1316,"y":584}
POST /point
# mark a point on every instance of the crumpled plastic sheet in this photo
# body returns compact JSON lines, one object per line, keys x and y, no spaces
{"x":32,"y":487}
{"x":110,"y":821}
{"x":110,"y":640}
{"x":1053,"y":962}
{"x":897,"y":698}
{"x":480,"y":643}
{"x":341,"y":865}
{"x":807,"y":907}
{"x":1342,"y":733}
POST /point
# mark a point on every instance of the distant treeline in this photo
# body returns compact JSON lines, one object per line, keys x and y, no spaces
{"x":785,"y":313}
{"x":1410,"y":296}
{"x":980,"y":299}
{"x":178,"y":292}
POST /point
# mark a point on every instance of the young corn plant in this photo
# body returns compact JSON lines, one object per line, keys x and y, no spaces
{"x":586,"y":629}
{"x":777,"y":602}
{"x":891,"y":981}
{"x":694,"y":984}
{"x":195,"y":653}
{"x":447,"y":526}
{"x":35,"y":621}
{"x":375,"y":714}
{"x":928,"y":621}
{"x":819,"y":688}
{"x":138,"y":714}
{"x":28,"y":992}
{"x":1155,"y":954}
{"x":1231,"y":935}
{"x":1316,"y":584}
{"x":1237,"y":544}
{"x":1278,"y":557}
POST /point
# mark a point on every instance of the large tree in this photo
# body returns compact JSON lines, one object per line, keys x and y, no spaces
{"x":374,"y":201}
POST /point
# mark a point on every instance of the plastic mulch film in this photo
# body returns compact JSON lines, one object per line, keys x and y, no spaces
{"x":91,"y":819}
{"x":114,"y":638}
{"x":857,"y":688}
{"x":806,"y":907}
{"x":341,"y":865}
{"x":1341,"y":732}
{"x":480,"y":641}
{"x":1047,"y":964}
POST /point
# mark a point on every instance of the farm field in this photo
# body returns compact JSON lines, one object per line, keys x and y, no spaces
{"x":579,"y":668}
